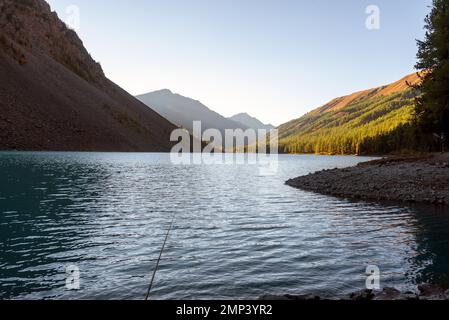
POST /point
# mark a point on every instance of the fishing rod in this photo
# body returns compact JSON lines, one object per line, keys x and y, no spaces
{"x":159,"y":259}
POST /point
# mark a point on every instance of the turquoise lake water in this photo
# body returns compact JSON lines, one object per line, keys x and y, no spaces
{"x":236,"y":233}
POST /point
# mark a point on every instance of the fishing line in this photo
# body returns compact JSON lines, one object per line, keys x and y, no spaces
{"x":159,"y":259}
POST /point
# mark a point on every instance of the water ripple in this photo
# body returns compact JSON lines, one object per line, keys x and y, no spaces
{"x":236,"y":235}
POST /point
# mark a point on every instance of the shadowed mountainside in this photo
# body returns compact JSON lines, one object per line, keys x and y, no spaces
{"x":54,"y":96}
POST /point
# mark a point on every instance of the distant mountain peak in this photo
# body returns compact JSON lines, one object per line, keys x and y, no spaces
{"x":243,"y":114}
{"x":250,"y":121}
{"x":163,"y":92}
{"x":183,"y":111}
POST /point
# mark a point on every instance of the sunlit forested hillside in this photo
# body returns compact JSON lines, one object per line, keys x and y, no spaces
{"x":374,"y":121}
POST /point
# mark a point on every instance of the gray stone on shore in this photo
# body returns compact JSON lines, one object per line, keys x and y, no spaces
{"x":411,"y":179}
{"x":289,"y":297}
{"x":387,"y":294}
{"x":426,"y":292}
{"x":430,"y":292}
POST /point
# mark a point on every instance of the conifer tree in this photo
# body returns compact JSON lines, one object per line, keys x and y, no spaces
{"x":432,"y":104}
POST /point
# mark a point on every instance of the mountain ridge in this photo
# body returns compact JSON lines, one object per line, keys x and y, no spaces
{"x":373,"y":121}
{"x":397,"y":86}
{"x":250,"y":121}
{"x":55,"y":97}
{"x":182,"y":111}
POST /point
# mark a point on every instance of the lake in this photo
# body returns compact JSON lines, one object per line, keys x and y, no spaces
{"x":236,"y":233}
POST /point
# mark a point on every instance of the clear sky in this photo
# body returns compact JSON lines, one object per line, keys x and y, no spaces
{"x":274,"y":59}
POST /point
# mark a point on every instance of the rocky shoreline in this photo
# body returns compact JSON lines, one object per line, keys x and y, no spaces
{"x":425,"y":292}
{"x":412,"y":179}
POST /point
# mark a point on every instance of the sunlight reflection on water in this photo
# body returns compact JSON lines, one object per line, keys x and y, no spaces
{"x":236,"y":235}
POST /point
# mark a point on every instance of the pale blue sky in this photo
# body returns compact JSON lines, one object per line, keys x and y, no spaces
{"x":275,"y":59}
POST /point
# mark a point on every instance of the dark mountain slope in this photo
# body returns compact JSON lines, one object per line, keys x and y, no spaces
{"x":54,"y":96}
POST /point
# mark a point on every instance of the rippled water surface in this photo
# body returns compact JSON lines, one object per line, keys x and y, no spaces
{"x":237,"y":234}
